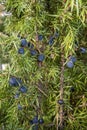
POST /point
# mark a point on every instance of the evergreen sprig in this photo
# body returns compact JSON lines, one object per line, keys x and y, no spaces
{"x":53,"y":84}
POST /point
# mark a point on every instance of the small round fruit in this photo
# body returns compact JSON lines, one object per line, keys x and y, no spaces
{"x":23,"y":43}
{"x":21,"y":50}
{"x":41,"y":57}
{"x":73,"y":59}
{"x":72,"y":89}
{"x":82,"y":50}
{"x":41,"y":121}
{"x":40,"y":37}
{"x":33,"y":52}
{"x":60,"y":101}
{"x":19,"y":107}
{"x":23,"y":89}
{"x":70,"y":64}
{"x":51,"y":41}
{"x":35,"y":120}
{"x":13,"y":81}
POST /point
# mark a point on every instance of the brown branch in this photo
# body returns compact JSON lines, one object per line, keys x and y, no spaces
{"x":61,"y":89}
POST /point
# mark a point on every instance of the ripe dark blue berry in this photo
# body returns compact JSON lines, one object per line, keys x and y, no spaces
{"x":41,"y":57}
{"x":33,"y":52}
{"x":40,"y":37}
{"x":82,"y":50}
{"x":41,"y":121}
{"x":35,"y":120}
{"x":19,"y":107}
{"x":21,"y":50}
{"x":70,"y":64}
{"x":23,"y":43}
{"x":60,"y":101}
{"x":72,"y":89}
{"x":23,"y":89}
{"x":13,"y":81}
{"x":51,"y":41}
{"x":73,"y":59}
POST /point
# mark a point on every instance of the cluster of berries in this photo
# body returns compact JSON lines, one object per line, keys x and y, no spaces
{"x":33,"y":51}
{"x":17,"y":82}
{"x":72,"y":59}
{"x":35,"y":120}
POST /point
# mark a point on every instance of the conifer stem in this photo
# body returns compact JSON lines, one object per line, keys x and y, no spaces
{"x":61,"y":89}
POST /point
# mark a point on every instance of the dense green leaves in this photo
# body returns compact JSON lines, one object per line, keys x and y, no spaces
{"x":63,"y":25}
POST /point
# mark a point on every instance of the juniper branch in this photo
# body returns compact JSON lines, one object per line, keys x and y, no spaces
{"x":61,"y":89}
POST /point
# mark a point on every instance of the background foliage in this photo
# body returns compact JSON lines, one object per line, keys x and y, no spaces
{"x":63,"y":24}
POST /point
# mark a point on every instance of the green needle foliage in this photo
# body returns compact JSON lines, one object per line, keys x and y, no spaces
{"x":63,"y":27}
